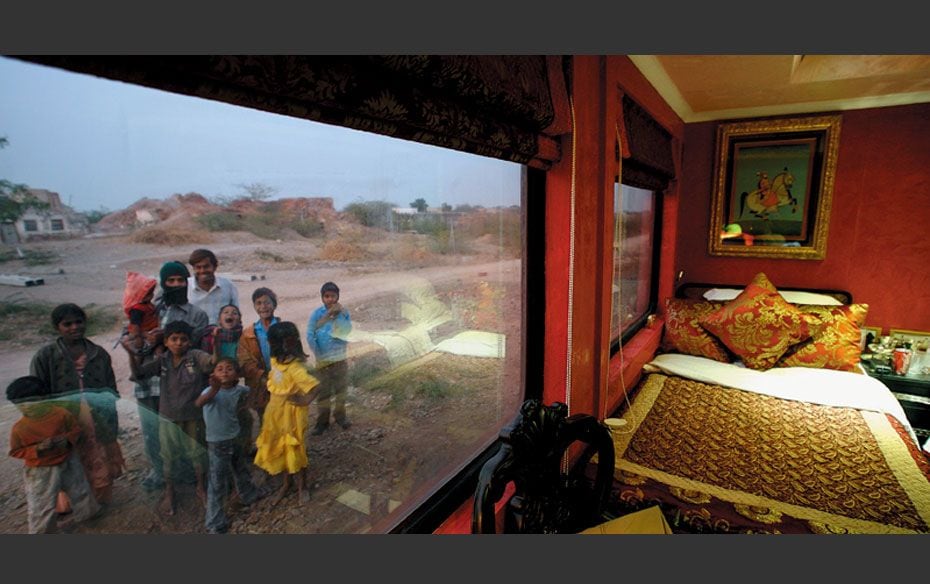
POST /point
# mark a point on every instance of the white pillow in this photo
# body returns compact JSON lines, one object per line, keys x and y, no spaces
{"x":792,"y":296}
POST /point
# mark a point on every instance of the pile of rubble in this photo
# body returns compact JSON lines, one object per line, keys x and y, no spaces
{"x":182,"y":208}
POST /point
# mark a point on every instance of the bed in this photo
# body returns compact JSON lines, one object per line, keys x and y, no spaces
{"x":796,"y":440}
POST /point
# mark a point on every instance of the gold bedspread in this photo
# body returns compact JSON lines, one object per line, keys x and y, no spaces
{"x":837,"y":469}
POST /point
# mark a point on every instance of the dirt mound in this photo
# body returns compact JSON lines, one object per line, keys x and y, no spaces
{"x":179,"y":212}
{"x":148,"y":211}
{"x":170,"y":236}
{"x":341,"y":250}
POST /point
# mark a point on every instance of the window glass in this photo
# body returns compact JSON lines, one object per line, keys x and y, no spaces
{"x":425,"y":245}
{"x":58,"y":225}
{"x":634,"y":251}
{"x":30,"y":224}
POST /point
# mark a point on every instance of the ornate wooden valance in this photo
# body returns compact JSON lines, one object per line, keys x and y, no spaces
{"x":507,"y":107}
{"x":646,"y":148}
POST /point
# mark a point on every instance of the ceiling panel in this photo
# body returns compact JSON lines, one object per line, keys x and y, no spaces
{"x":710,"y":87}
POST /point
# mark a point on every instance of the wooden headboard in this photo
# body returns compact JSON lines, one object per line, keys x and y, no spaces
{"x":697,"y":290}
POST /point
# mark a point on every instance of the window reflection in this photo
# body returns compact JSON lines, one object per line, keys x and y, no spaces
{"x":634,"y":240}
{"x":424,"y":243}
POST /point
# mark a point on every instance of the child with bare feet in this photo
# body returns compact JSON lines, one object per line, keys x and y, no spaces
{"x":45,"y":439}
{"x":183,"y":373}
{"x":221,"y":401}
{"x":282,"y":442}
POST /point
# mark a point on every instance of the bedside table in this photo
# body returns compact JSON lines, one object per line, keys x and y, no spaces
{"x":913,"y":392}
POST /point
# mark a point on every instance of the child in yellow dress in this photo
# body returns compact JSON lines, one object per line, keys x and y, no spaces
{"x":281,"y":443}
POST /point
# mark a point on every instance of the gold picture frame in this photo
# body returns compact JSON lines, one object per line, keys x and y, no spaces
{"x":910,"y":335}
{"x":773,"y":187}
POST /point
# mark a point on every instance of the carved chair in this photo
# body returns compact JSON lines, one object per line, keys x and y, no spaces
{"x":546,"y":499}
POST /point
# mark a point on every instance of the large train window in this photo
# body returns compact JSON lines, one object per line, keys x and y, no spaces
{"x":426,"y":245}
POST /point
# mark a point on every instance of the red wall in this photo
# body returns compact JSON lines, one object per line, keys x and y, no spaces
{"x":596,"y":382}
{"x":878,"y":245}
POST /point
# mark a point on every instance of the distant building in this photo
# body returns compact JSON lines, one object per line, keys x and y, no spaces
{"x":58,"y":220}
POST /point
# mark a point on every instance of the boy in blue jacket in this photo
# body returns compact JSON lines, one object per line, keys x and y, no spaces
{"x":327,"y":333}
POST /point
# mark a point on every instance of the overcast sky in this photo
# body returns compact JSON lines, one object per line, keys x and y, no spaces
{"x":101,"y":143}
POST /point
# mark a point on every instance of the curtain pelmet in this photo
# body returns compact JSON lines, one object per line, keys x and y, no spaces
{"x":506,"y":107}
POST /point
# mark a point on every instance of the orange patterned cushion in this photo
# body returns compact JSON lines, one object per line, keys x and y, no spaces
{"x":683,"y":334}
{"x":759,"y":326}
{"x":836,"y":345}
{"x":762,"y":281}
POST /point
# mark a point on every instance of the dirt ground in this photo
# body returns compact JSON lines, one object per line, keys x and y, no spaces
{"x":403,"y":442}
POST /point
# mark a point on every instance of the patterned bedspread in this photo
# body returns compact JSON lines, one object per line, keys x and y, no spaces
{"x":725,"y":460}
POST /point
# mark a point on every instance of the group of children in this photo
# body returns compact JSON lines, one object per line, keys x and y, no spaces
{"x":201,"y":401}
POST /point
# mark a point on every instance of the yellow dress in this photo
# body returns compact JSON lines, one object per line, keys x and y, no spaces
{"x":280,"y":444}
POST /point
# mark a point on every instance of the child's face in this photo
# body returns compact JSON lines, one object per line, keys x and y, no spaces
{"x":72,"y":328}
{"x":264,"y":307}
{"x":148,"y":297}
{"x":330,"y":298}
{"x":178,"y":343}
{"x":230,"y":317}
{"x":226,"y":373}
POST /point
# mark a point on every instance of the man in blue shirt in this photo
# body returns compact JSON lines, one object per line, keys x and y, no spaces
{"x":327,"y":331}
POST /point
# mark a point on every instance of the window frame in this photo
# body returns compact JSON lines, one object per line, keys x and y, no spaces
{"x":53,"y":222}
{"x":449,"y":495}
{"x":652,"y":183}
{"x":31,"y":225}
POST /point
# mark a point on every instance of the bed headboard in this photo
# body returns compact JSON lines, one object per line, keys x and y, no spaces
{"x":697,"y":290}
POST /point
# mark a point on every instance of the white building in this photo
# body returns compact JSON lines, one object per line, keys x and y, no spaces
{"x":55,"y":220}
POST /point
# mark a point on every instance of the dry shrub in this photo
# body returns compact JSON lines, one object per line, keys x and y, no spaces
{"x":340,"y":250}
{"x":412,"y":253}
{"x":159,"y":236}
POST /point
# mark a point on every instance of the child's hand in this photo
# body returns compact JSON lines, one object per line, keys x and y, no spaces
{"x":214,"y":381}
{"x":52,"y":443}
{"x":154,"y":336}
{"x":128,"y":342}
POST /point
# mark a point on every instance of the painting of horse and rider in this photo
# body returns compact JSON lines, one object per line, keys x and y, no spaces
{"x":773,"y":187}
{"x":770,"y":192}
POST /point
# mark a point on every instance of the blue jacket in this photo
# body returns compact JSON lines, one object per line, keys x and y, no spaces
{"x":328,"y":342}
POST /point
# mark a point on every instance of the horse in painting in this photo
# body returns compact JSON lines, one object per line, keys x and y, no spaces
{"x":766,"y":199}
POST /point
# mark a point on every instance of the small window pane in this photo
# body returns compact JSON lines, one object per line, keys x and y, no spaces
{"x":633,"y":256}
{"x":58,"y":225}
{"x":30,"y":225}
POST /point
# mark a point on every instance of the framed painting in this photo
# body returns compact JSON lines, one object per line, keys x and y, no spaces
{"x":920,"y":340}
{"x":773,"y":187}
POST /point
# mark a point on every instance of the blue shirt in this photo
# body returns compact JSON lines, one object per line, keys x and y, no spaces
{"x":328,"y":342}
{"x":220,"y":413}
{"x":262,"y":335}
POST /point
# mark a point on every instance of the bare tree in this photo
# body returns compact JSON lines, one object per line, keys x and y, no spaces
{"x":257,"y":191}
